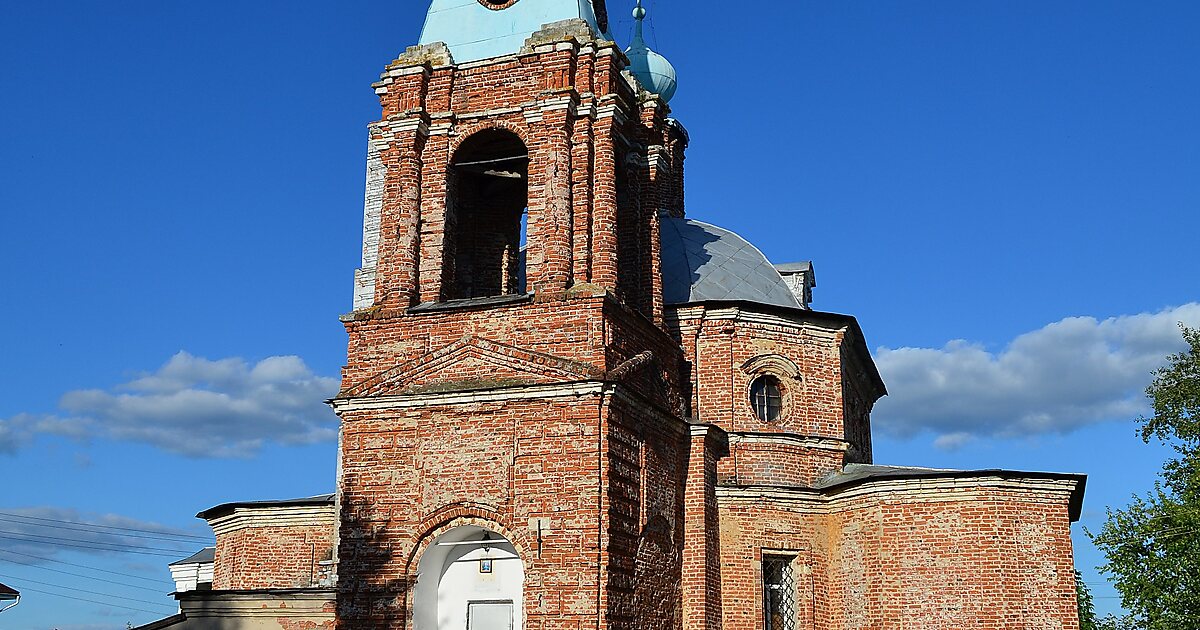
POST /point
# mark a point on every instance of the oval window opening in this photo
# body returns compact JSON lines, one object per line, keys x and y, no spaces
{"x":766,"y":398}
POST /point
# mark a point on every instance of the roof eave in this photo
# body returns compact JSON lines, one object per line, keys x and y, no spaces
{"x":1075,"y":506}
{"x":228,"y":508}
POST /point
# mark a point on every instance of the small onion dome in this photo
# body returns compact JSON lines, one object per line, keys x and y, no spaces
{"x":652,"y":70}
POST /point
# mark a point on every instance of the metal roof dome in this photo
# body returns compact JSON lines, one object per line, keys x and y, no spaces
{"x":652,"y":70}
{"x":704,"y":262}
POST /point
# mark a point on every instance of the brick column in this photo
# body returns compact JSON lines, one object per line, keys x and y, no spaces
{"x":604,"y":195}
{"x":436,"y":157}
{"x":582,"y":181}
{"x":702,"y":547}
{"x":396,"y":278}
{"x":549,"y":249}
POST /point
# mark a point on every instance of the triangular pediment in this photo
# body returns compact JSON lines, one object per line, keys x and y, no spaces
{"x":472,"y":363}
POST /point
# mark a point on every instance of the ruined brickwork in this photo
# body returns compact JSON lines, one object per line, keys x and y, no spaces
{"x":531,"y":431}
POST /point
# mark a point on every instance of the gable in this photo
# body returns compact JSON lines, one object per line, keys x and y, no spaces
{"x":471,"y":363}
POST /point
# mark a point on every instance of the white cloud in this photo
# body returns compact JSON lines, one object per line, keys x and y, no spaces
{"x":953,"y":441}
{"x":1066,"y":375}
{"x":196,"y":407}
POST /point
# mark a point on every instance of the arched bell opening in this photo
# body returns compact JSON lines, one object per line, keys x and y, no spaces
{"x":469,"y":578}
{"x":487,"y":196}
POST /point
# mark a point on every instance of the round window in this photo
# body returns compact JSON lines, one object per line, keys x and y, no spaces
{"x":497,"y":4}
{"x":766,"y":398}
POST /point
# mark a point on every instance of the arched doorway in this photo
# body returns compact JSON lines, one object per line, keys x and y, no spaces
{"x":469,"y":578}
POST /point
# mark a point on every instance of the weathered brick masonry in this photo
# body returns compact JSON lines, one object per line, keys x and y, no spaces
{"x":283,"y":545}
{"x":607,"y":434}
{"x":551,"y":420}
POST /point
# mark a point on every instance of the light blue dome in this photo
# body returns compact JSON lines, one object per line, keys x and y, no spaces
{"x":473,"y":31}
{"x":652,"y":70}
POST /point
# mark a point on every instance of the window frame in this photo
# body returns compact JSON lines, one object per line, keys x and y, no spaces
{"x":789,"y":587}
{"x":767,"y":380}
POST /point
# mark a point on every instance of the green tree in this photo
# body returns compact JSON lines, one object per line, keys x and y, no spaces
{"x":1113,"y":622}
{"x":1153,"y":545}
{"x":1087,"y":607}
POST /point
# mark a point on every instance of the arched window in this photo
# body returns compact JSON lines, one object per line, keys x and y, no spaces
{"x":766,"y":398}
{"x":487,"y":195}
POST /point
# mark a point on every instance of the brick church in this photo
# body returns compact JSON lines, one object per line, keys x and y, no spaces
{"x":568,"y":405}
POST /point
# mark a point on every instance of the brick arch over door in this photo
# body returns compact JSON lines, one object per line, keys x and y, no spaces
{"x":468,"y":571}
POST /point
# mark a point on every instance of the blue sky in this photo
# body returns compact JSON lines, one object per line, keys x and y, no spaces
{"x":1004,"y":192}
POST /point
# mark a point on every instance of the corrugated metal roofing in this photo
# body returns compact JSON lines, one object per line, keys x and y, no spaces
{"x":705,"y":262}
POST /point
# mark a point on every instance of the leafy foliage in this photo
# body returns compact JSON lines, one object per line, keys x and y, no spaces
{"x":1087,"y":607}
{"x":1113,"y":622}
{"x":1153,"y":545}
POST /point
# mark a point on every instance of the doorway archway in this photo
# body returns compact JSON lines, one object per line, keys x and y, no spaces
{"x":469,"y":578}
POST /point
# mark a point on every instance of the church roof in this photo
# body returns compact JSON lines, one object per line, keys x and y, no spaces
{"x":204,"y":556}
{"x":472,"y":31}
{"x":853,"y":474}
{"x":704,"y":262}
{"x":228,"y":508}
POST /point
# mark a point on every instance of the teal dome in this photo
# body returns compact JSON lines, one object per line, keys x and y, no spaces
{"x":652,"y":70}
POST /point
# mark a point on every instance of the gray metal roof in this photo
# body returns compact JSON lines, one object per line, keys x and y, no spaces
{"x":865,"y":472}
{"x":228,"y":508}
{"x":204,"y":556}
{"x":704,"y":262}
{"x":853,"y":474}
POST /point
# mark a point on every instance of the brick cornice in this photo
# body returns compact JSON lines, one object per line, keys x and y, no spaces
{"x":298,"y":516}
{"x":789,"y":439}
{"x":415,"y":401}
{"x":952,"y":486}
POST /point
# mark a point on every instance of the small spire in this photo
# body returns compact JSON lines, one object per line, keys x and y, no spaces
{"x":652,"y":70}
{"x":639,"y":14}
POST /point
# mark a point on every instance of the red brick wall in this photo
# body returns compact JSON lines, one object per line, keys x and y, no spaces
{"x":812,"y":405}
{"x":609,"y":474}
{"x":999,"y":560}
{"x":596,"y":333}
{"x":561,"y":104}
{"x":821,"y":401}
{"x":271,"y":557}
{"x":637,"y":535}
{"x":606,"y":472}
{"x":779,"y":463}
{"x":702,"y":545}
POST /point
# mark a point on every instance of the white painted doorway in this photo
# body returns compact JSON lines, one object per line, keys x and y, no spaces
{"x":469,"y":579}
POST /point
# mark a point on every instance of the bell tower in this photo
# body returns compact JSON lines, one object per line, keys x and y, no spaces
{"x":549,"y":131}
{"x":512,"y":402}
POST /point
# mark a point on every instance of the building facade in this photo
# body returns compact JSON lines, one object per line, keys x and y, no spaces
{"x":567,"y":405}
